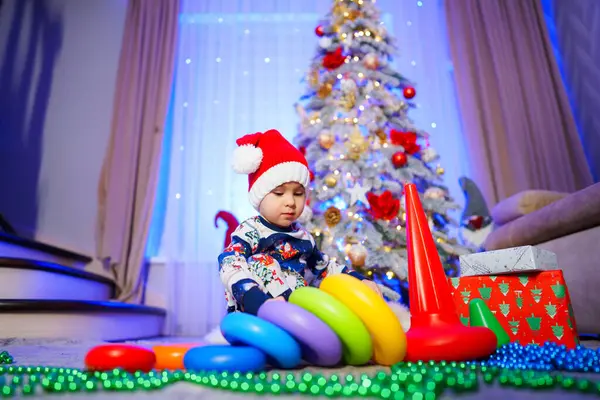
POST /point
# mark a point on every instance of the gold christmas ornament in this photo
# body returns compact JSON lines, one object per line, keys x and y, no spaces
{"x":371,"y":61}
{"x":380,"y":133}
{"x":353,"y":14}
{"x":330,"y":180}
{"x":348,"y":101}
{"x":356,"y":144}
{"x":326,"y":140}
{"x":439,"y":170}
{"x":324,"y":90}
{"x":333,"y":216}
{"x":357,"y":255}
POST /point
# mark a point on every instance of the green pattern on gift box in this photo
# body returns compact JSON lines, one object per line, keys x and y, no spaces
{"x":455,"y":282}
{"x":558,"y":290}
{"x":524,"y":279}
{"x":514,"y":326}
{"x":464,"y":320}
{"x":536,"y":294}
{"x":485,"y":292}
{"x":535,"y":323}
{"x":519,"y":301}
{"x":503,"y":288}
{"x":550,"y":310}
{"x":466,"y":295}
{"x":493,"y":277}
{"x":558,"y":331}
{"x":505,"y":308}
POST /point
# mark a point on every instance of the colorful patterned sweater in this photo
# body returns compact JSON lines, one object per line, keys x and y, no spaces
{"x":293,"y":248}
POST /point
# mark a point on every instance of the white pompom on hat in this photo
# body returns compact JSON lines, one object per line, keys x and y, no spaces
{"x":270,"y":161}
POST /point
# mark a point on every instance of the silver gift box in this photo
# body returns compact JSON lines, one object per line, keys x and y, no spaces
{"x":506,"y":261}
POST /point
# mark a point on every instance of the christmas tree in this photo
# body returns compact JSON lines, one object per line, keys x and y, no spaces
{"x":362,"y":146}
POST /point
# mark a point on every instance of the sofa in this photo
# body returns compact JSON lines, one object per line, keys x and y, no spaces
{"x":566,"y":224}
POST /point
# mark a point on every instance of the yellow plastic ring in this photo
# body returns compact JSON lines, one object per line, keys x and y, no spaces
{"x":357,"y":347}
{"x":387,"y":334}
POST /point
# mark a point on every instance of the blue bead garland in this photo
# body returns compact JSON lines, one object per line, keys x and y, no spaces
{"x":549,"y":357}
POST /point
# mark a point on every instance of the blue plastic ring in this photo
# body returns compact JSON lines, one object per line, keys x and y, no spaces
{"x":246,"y":329}
{"x":224,"y":358}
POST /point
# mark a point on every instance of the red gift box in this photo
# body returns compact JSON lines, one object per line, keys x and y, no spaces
{"x":531,"y":307}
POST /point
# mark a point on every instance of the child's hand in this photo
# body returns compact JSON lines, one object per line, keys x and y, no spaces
{"x":373,"y":286}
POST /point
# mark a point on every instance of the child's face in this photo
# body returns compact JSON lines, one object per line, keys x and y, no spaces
{"x":284,"y":204}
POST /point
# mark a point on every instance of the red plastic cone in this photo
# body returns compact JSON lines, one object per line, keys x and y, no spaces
{"x":436,"y":332}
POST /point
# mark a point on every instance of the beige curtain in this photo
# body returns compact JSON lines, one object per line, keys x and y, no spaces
{"x":518,"y":124}
{"x":130,"y":171}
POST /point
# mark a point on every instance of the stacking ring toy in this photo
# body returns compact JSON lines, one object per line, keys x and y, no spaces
{"x":171,"y":356}
{"x":318,"y":343}
{"x":224,"y":358}
{"x":389,"y":339}
{"x":357,"y":347}
{"x":240,"y":328}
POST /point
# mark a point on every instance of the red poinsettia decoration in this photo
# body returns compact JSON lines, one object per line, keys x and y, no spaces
{"x":408,"y":140}
{"x":333,"y":60}
{"x":383,"y":206}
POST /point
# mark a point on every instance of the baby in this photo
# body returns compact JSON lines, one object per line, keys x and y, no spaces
{"x":271,"y":255}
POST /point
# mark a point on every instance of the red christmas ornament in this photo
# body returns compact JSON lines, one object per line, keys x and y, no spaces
{"x":399,"y":159}
{"x":409,"y":92}
{"x":475,"y":222}
{"x":334,"y":59}
{"x":319,"y":30}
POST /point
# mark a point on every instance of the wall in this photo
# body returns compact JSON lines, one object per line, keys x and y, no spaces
{"x":58,"y":64}
{"x":574,"y":27}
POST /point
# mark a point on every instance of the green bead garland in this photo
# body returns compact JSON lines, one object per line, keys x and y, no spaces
{"x":425,"y":381}
{"x":403,"y":381}
{"x":5,"y":358}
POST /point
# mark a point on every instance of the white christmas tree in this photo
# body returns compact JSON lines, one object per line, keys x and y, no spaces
{"x":361,"y":147}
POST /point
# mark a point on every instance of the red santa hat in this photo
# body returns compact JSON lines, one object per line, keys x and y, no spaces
{"x":269,"y":160}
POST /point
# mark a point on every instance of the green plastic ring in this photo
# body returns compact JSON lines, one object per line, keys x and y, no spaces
{"x":356,"y":341}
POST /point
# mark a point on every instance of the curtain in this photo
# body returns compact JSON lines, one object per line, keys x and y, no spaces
{"x":572,"y":27}
{"x":129,"y":174}
{"x":519,"y":128}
